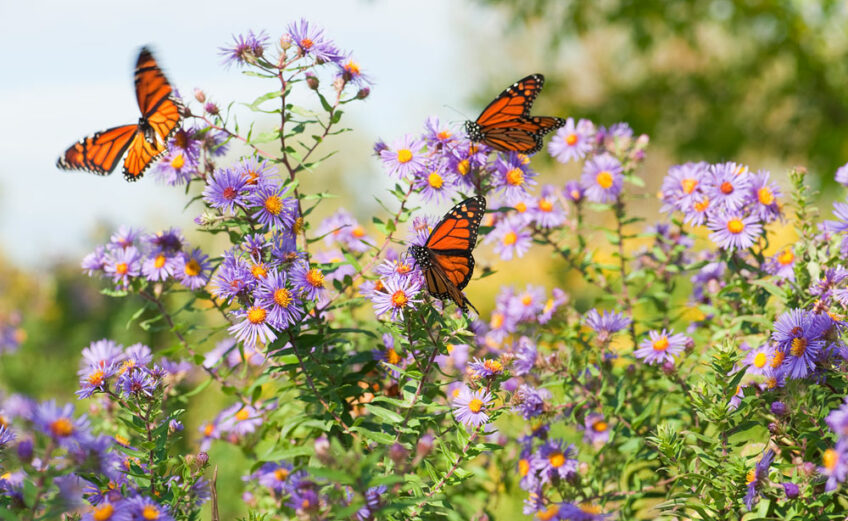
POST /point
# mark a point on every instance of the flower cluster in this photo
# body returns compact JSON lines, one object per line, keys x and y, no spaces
{"x":11,"y":334}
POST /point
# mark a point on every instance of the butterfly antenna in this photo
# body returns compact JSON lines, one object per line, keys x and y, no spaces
{"x":463,"y":116}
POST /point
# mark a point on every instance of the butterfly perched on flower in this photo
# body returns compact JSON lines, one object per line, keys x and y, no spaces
{"x":143,"y":142}
{"x":506,"y":124}
{"x":445,"y":259}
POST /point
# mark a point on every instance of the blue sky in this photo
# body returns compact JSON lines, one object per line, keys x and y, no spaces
{"x":68,"y":72}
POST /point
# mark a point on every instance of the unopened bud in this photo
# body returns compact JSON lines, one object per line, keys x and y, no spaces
{"x":211,"y":108}
{"x":312,"y":81}
{"x":200,"y":96}
{"x":25,"y":450}
{"x":363,"y":93}
{"x":322,"y":450}
{"x":425,"y":445}
{"x":398,"y":453}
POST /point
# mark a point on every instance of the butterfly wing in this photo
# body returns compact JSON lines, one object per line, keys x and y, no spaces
{"x":155,"y":96}
{"x":514,"y":102}
{"x":142,"y":153}
{"x":100,"y":153}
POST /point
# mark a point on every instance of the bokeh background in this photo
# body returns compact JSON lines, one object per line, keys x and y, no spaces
{"x":764,"y":82}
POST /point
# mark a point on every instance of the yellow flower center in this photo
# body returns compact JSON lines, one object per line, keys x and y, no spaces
{"x":96,"y":378}
{"x":435,"y":180}
{"x":527,"y":300}
{"x":571,"y":139}
{"x":242,"y":415}
{"x":497,"y":320}
{"x":735,"y":226}
{"x":799,"y":345}
{"x":192,"y":268}
{"x":702,"y":205}
{"x":688,"y":185}
{"x":281,"y":474}
{"x":777,"y":359}
{"x":521,"y":207}
{"x":392,"y":357}
{"x":548,"y":513}
{"x":178,"y":161}
{"x":475,"y":405}
{"x":463,"y":167}
{"x":765,"y":196}
{"x":103,"y":513}
{"x":600,"y":426}
{"x":604,"y":179}
{"x":208,"y":429}
{"x":122,"y":268}
{"x":256,"y":315}
{"x":352,"y":67}
{"x":399,"y":299}
{"x":660,"y":344}
{"x":259,"y":271}
{"x":62,"y":428}
{"x":404,"y":155}
{"x":493,"y":366}
{"x":590,"y":509}
{"x":786,"y":257}
{"x":298,"y":225}
{"x":282,"y":297}
{"x":126,"y":366}
{"x":545,"y":205}
{"x":523,"y":467}
{"x":274,"y":205}
{"x":509,"y":238}
{"x":726,"y":188}
{"x":515,"y":177}
{"x":306,"y":43}
{"x":830,"y":459}
{"x":443,"y":135}
{"x":121,"y":440}
{"x":315,"y":278}
{"x":159,"y":261}
{"x":150,"y":513}
{"x":760,"y":360}
{"x":358,"y":232}
{"x":557,"y":459}
{"x":771,"y":382}
{"x":252,"y":177}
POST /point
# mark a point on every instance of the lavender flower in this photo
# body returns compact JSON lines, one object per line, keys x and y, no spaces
{"x":253,"y":328}
{"x":403,"y":158}
{"x":310,"y":41}
{"x":400,"y":293}
{"x":123,"y":264}
{"x":606,"y":323}
{"x":513,"y":177}
{"x":59,"y":423}
{"x":273,"y":209}
{"x":835,"y":464}
{"x":511,"y":238}
{"x":729,"y":185}
{"x":284,"y":306}
{"x":307,"y":281}
{"x":225,"y":190}
{"x":661,"y":347}
{"x":595,"y":429}
{"x":602,"y":179}
{"x":192,"y":270}
{"x":734,"y":231}
{"x":470,"y":407}
{"x":553,"y":461}
{"x":530,"y":402}
{"x":245,"y":48}
{"x":573,"y":141}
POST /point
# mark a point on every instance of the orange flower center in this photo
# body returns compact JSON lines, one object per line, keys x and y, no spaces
{"x":274,"y":205}
{"x":760,"y":360}
{"x":509,"y":238}
{"x":463,"y":167}
{"x":688,"y":185}
{"x":242,"y":415}
{"x":281,"y":474}
{"x":159,"y":261}
{"x":777,"y":359}
{"x":571,"y":139}
{"x":192,"y":268}
{"x":475,"y":405}
{"x":62,"y":428}
{"x":726,"y":188}
{"x":604,"y":179}
{"x":735,"y":226}
{"x":150,"y":513}
{"x":392,"y":357}
{"x":515,"y":177}
{"x":306,"y":43}
{"x":497,"y":320}
{"x":352,"y":67}
{"x":256,"y":315}
{"x":523,"y":467}
{"x":830,"y":459}
{"x":521,"y":207}
{"x":399,"y":299}
{"x":765,"y":196}
{"x":103,"y":513}
{"x":96,"y":378}
{"x":259,"y":271}
{"x":660,"y":344}
{"x":786,"y":257}
{"x":315,"y":278}
{"x":493,"y":366}
{"x":282,"y":297}
{"x":435,"y":180}
{"x":548,"y":513}
{"x":799,"y":345}
{"x":557,"y":459}
{"x":600,"y":426}
{"x":443,"y":135}
{"x":178,"y":161}
{"x":545,"y":205}
{"x":702,"y":205}
{"x":122,"y":268}
{"x":404,"y":155}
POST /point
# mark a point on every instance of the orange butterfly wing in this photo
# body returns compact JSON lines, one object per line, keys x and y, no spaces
{"x":155,"y":96}
{"x":514,"y":102}
{"x":142,"y":153}
{"x":99,"y":153}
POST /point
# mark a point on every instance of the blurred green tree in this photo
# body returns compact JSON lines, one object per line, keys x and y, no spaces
{"x":710,"y":79}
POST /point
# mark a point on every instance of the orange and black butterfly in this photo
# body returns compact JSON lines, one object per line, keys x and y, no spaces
{"x":142,"y":142}
{"x":445,"y":259}
{"x":506,"y":124}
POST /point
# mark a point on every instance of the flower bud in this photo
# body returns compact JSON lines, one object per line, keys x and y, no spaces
{"x":312,"y":81}
{"x":25,"y":450}
{"x":199,"y":95}
{"x":773,"y":427}
{"x":211,"y":108}
{"x":425,"y":445}
{"x":322,"y":450}
{"x":790,"y":489}
{"x":398,"y":453}
{"x":778,"y":408}
{"x":285,"y":41}
{"x":363,"y":93}
{"x":202,"y":459}
{"x":808,"y":468}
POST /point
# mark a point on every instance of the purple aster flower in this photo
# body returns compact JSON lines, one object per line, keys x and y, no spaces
{"x":404,"y":158}
{"x":59,"y":423}
{"x":756,"y":476}
{"x":350,"y":72}
{"x":136,"y":355}
{"x":790,"y":489}
{"x":764,"y":195}
{"x":137,"y":383}
{"x":402,"y":266}
{"x":602,"y":179}
{"x":728,"y":185}
{"x":835,"y":464}
{"x":573,"y":191}
{"x":530,"y":402}
{"x":547,"y":212}
{"x":757,"y":360}
{"x":595,"y":429}
{"x":304,"y":499}
{"x":176,"y":166}
{"x":225,"y":190}
{"x":232,"y":278}
{"x":734,"y":231}
{"x":512,"y":176}
{"x":840,"y":210}
{"x":101,"y":353}
{"x":525,"y":357}
{"x":486,"y":368}
{"x":166,"y":241}
{"x":192,"y":270}
{"x":553,"y":461}
{"x":470,"y":407}
{"x":254,"y":245}
{"x":241,"y":419}
{"x":274,"y":209}
{"x":782,"y":264}
{"x":698,"y":209}
{"x":126,"y":237}
{"x":342,"y":228}
{"x":254,"y":328}
{"x":159,"y":267}
{"x":245,"y":48}
{"x":582,"y":512}
{"x":420,"y":230}
{"x":799,"y":333}
{"x":310,"y":41}
{"x":309,"y":282}
{"x":661,"y":347}
{"x":275,"y":476}
{"x":606,"y":323}
{"x":434,"y":182}
{"x":123,"y":264}
{"x":837,"y":420}
{"x":400,"y":293}
{"x":108,"y":511}
{"x":682,"y":184}
{"x":528,"y":304}
{"x":94,"y":379}
{"x":573,"y":141}
{"x":6,"y":436}
{"x":95,"y":262}
{"x":842,"y":175}
{"x":256,"y":174}
{"x":778,"y":408}
{"x":436,"y":134}
{"x":285,"y":308}
{"x":511,"y":238}
{"x":145,"y":508}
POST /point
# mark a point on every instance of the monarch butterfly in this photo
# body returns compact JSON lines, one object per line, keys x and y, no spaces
{"x":445,"y":259}
{"x":161,"y":114}
{"x":506,"y":124}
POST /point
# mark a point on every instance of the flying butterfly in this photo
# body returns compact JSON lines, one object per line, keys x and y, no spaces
{"x":506,"y":124}
{"x":143,"y":142}
{"x":445,"y":259}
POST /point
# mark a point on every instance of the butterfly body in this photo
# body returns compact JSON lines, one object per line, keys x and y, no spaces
{"x":143,"y":142}
{"x":506,"y":124}
{"x":445,"y":259}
